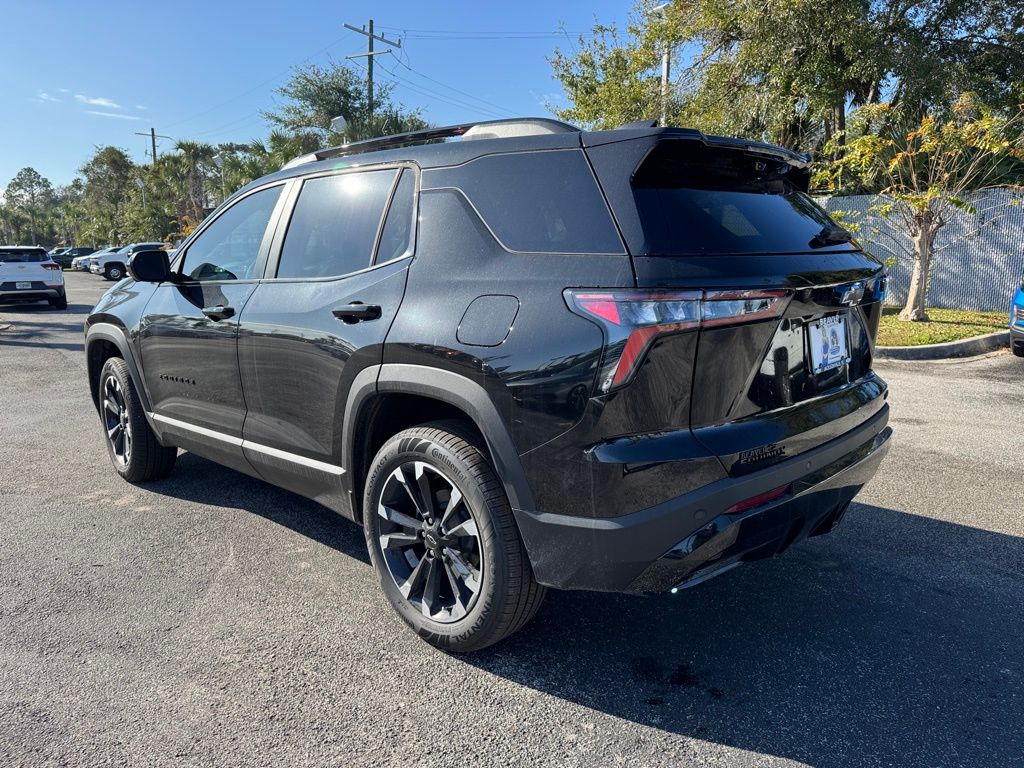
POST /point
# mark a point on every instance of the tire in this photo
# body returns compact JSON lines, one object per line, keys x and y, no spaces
{"x":476,"y":541}
{"x":61,"y":302}
{"x":1017,"y":345}
{"x":113,"y":272}
{"x":134,"y":450}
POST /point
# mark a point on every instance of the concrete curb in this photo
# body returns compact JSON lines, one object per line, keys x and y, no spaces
{"x":976,"y":345}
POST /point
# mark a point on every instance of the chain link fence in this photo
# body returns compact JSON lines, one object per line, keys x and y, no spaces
{"x":979,"y":254}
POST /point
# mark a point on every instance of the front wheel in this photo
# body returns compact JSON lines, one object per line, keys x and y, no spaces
{"x":114,"y":272}
{"x":134,"y":450}
{"x":443,"y":541}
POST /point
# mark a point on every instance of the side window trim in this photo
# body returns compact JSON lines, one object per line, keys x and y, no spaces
{"x":410,"y":249}
{"x":264,"y":250}
{"x":283,"y":221}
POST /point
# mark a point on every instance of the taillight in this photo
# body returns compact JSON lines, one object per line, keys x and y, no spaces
{"x":633,"y":319}
{"x":759,"y":500}
{"x":52,"y":266}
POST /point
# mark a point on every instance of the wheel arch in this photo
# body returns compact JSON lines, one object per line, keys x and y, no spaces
{"x":388,"y":398}
{"x":103,"y":341}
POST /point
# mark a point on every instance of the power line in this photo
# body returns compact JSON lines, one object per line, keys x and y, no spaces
{"x":423,"y":91}
{"x":453,"y":88}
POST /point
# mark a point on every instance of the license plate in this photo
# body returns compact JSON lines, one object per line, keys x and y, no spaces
{"x":829,"y":348}
{"x":23,"y":286}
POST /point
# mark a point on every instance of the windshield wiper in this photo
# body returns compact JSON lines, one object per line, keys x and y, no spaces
{"x":830,"y":236}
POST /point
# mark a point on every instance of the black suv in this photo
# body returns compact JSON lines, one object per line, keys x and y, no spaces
{"x":623,"y":360}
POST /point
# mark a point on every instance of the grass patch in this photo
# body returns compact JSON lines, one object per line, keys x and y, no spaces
{"x":943,"y":325}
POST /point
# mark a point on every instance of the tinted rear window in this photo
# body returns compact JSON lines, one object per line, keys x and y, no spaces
{"x":542,"y":202}
{"x":695,"y":200}
{"x":10,"y":255}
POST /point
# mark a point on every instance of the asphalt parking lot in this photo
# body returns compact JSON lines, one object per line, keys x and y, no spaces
{"x":210,"y":619}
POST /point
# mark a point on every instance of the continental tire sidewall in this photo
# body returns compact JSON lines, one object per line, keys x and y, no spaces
{"x":475,"y":628}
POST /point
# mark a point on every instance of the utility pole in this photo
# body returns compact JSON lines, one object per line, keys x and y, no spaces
{"x":666,"y":61}
{"x":665,"y":64}
{"x":370,"y":53}
{"x":153,"y":136}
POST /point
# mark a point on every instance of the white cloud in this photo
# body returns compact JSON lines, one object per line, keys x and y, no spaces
{"x":97,"y":101}
{"x":113,"y":114}
{"x":63,"y":90}
{"x":42,"y":96}
{"x":141,"y":106}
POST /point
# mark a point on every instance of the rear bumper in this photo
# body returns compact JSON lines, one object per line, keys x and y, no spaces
{"x":36,"y":294}
{"x":1017,"y":339}
{"x":690,"y":538}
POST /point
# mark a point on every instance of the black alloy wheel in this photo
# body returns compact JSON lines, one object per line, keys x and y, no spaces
{"x":116,"y":421}
{"x":430,"y":541}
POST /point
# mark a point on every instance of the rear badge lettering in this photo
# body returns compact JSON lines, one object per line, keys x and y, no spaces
{"x":764,"y":453}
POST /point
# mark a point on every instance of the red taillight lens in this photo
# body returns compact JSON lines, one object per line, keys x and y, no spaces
{"x":633,"y":319}
{"x":52,"y":266}
{"x":757,"y":501}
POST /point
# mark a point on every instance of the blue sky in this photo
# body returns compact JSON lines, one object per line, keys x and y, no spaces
{"x":81,"y":74}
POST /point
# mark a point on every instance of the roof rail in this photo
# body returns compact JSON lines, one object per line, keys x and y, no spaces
{"x":488,"y":129}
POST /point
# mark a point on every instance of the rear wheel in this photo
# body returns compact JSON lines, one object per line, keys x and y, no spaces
{"x":61,"y":302}
{"x":443,"y":541}
{"x":114,"y":272}
{"x":134,"y":450}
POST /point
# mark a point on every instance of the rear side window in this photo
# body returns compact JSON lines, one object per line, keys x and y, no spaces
{"x":334,"y":226}
{"x":542,"y":202}
{"x":396,"y":237}
{"x":696,"y":200}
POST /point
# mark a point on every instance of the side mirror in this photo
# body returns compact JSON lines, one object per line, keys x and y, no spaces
{"x":150,"y":266}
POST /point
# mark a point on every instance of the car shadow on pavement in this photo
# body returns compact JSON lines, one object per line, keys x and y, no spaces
{"x":897,"y":640}
{"x":198,"y":480}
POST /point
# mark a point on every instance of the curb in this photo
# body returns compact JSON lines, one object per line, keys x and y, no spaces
{"x":976,"y":345}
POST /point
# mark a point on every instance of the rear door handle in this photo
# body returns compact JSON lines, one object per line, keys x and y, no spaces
{"x":357,"y":311}
{"x":219,"y":312}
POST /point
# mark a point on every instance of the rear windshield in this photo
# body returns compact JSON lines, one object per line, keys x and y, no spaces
{"x":9,"y":255}
{"x":696,"y":200}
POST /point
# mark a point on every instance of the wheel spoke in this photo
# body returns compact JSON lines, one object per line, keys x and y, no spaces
{"x":400,"y":475}
{"x":417,"y":576}
{"x":426,"y":494}
{"x":398,"y":540}
{"x":458,"y":609}
{"x":466,"y":528}
{"x":453,"y":504}
{"x":127,"y":444}
{"x":430,"y":601}
{"x":108,"y":405}
{"x":398,"y":518}
{"x":463,"y":569}
{"x":114,"y":432}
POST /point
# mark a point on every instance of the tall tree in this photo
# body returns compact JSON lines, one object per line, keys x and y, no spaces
{"x":314,"y":95}
{"x":924,"y":174}
{"x":109,"y":177}
{"x":789,"y":71}
{"x":30,"y":194}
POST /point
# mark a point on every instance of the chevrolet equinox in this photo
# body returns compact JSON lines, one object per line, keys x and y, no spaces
{"x":519,"y":354}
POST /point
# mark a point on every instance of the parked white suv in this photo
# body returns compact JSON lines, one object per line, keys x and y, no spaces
{"x":113,"y":266}
{"x":81,"y":263}
{"x":28,"y":273}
